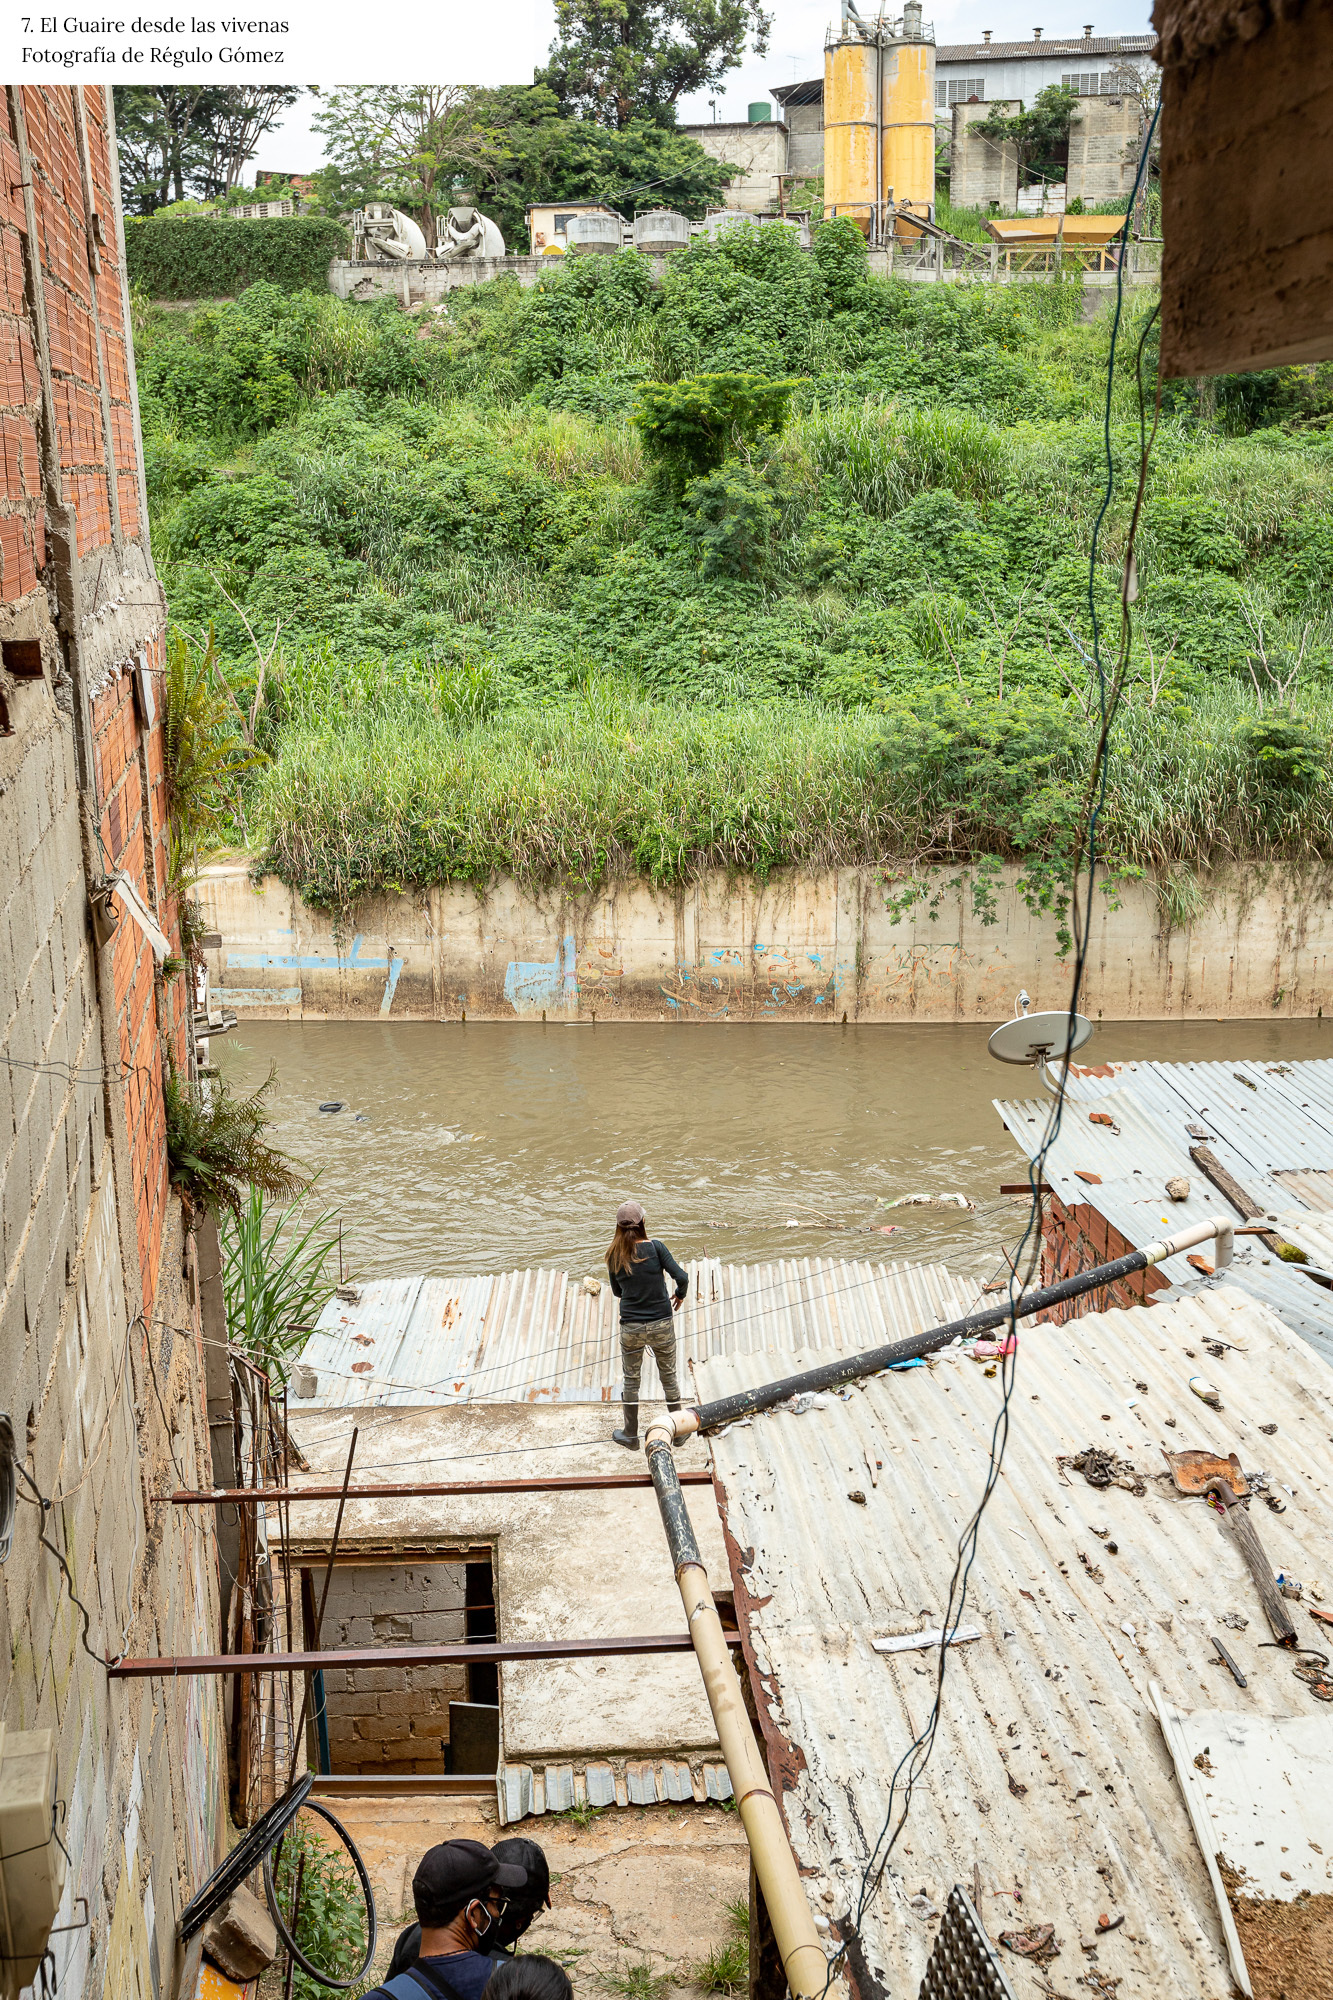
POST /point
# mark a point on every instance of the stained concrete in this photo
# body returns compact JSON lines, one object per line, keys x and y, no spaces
{"x":867,"y":944}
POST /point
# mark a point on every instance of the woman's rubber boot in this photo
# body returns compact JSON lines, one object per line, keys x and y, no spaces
{"x":629,"y":1437}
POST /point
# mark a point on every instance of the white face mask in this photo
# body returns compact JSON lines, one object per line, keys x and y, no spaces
{"x":483,"y":1928}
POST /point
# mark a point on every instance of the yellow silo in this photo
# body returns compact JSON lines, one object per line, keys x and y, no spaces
{"x":879,"y":119}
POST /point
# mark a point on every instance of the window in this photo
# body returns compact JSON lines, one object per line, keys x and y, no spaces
{"x":563,"y":220}
{"x":959,"y":89}
{"x":1085,"y":84}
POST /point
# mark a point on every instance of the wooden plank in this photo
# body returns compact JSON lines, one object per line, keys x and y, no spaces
{"x":191,"y":1664}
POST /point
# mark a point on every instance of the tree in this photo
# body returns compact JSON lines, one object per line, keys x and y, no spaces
{"x":179,"y":139}
{"x":540,"y":154}
{"x":236,"y":126}
{"x":619,"y":60}
{"x":1040,"y":135}
{"x":416,"y":145}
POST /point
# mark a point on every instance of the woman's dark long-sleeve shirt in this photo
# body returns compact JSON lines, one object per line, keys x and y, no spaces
{"x":642,"y":1289}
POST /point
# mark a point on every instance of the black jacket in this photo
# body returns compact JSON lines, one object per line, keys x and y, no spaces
{"x":642,"y":1289}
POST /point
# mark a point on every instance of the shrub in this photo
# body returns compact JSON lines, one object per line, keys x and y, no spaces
{"x":1287,"y":755}
{"x":689,"y":427}
{"x":732,"y":514}
{"x":211,"y":258}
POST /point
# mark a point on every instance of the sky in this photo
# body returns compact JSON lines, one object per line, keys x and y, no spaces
{"x":796,"y":51}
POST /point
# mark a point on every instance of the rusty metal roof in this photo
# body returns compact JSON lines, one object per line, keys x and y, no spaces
{"x":1257,"y":1129}
{"x":1050,"y":1774}
{"x":1074,"y":45}
{"x":541,"y":1336}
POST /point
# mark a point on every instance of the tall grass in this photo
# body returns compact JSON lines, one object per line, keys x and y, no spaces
{"x":883,"y":456}
{"x":616,"y":786}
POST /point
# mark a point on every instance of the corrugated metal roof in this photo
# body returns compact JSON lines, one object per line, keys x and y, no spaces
{"x":1312,"y":1233}
{"x":530,"y":1336}
{"x":1151,"y":1146}
{"x":1081,"y":45}
{"x":1049,"y":1773}
{"x":1271,"y":1116}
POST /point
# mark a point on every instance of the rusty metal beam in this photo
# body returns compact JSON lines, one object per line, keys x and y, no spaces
{"x":588,"y":1482}
{"x":465,"y":1655}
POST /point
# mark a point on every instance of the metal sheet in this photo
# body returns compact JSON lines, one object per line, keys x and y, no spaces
{"x":539,"y":1336}
{"x":1049,"y":1772}
{"x":1310,"y":1232}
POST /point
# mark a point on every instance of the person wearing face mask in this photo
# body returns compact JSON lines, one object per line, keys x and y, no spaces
{"x":460,"y":1890}
{"x":521,"y":1910}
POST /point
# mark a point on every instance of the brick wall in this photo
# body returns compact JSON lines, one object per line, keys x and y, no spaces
{"x":393,"y":1718}
{"x":1079,"y":1238}
{"x":101,"y":1359}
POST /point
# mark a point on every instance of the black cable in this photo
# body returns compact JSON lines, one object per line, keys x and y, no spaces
{"x":917,"y":1755}
{"x":75,"y":1599}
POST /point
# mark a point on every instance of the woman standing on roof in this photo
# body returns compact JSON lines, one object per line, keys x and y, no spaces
{"x":637,"y":1266}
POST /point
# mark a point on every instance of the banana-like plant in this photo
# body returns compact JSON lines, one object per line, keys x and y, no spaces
{"x":273,"y":1273}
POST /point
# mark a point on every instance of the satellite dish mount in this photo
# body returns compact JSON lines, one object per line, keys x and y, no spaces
{"x":1031,"y":1039}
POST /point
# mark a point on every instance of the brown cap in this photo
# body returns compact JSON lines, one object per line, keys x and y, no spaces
{"x":629,"y":1211}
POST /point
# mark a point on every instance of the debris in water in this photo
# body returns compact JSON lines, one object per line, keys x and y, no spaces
{"x":334,"y":1104}
{"x":1103,"y":1468}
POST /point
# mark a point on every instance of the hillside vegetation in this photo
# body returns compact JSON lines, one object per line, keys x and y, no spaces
{"x":774,"y":564}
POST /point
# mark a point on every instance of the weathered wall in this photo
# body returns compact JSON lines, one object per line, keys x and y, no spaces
{"x":1247,"y":184}
{"x":1105,"y":137}
{"x":393,"y":1718}
{"x":100,"y":1354}
{"x":981,"y":170}
{"x":799,"y":947}
{"x":758,"y":152}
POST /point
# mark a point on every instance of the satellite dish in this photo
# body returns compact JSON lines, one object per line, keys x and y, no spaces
{"x":1039,"y":1038}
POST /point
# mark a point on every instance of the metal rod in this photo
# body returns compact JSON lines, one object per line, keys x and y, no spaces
{"x":298,"y":1745}
{"x":591,"y":1482}
{"x":803,"y":1958}
{"x":853,"y":1367}
{"x":169,"y":1667}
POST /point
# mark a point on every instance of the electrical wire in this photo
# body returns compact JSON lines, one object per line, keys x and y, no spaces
{"x":912,"y":1765}
{"x":41,"y":1501}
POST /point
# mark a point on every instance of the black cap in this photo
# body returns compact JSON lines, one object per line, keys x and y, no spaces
{"x":450,"y":1875}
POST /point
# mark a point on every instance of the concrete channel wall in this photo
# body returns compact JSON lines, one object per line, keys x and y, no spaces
{"x":798,"y":947}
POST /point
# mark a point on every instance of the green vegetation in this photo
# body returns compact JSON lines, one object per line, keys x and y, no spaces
{"x":330,"y":1924}
{"x":216,"y":1148}
{"x":775,"y":564}
{"x":273,"y":1275}
{"x":209,"y":257}
{"x":725,"y":1969}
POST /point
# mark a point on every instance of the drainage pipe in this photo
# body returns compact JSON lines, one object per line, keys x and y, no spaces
{"x":803,"y":1957}
{"x":854,"y":1367}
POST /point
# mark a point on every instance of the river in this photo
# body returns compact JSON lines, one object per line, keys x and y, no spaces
{"x":496,"y":1146}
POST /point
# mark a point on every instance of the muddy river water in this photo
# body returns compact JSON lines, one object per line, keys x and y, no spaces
{"x":496,"y":1146}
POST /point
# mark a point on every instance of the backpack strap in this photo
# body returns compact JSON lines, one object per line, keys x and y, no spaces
{"x":415,"y":1982}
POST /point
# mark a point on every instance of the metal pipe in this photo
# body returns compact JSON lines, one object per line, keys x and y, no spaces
{"x":803,"y":1958}
{"x":167,"y":1667}
{"x":854,"y":1367}
{"x":592,"y":1482}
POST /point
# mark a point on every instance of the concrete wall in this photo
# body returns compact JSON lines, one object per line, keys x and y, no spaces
{"x":759,"y":152}
{"x":1247,"y":157}
{"x":394,"y":1718}
{"x":100,"y":1354}
{"x":805,"y":140}
{"x":1105,"y":137}
{"x":799,"y":947}
{"x":981,"y":170}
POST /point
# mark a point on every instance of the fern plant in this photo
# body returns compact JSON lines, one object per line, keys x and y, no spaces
{"x":216,"y":1148}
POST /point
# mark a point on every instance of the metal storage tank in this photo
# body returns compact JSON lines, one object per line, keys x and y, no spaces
{"x":879,"y":119}
{"x":724,"y":219}
{"x":661,"y":229}
{"x":605,"y":233}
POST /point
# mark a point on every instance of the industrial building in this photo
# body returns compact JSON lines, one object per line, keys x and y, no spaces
{"x":949,"y":88}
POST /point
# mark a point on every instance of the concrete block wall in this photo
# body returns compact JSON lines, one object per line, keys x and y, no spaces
{"x":981,"y":170}
{"x":393,"y":1719}
{"x":1104,"y":140}
{"x":100,"y":1353}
